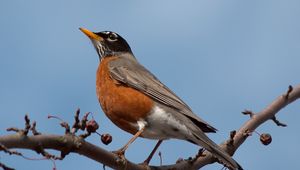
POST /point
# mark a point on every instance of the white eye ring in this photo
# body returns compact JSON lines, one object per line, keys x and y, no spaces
{"x":112,"y":36}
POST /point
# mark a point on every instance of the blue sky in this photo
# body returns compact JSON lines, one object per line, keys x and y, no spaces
{"x":221,"y":57}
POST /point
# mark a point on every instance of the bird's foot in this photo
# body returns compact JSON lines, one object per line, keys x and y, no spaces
{"x":121,"y":155}
{"x":120,"y":152}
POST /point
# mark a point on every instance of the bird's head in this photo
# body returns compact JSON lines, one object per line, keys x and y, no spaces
{"x":107,"y":43}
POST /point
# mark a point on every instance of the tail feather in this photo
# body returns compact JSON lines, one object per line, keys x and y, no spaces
{"x":216,"y":151}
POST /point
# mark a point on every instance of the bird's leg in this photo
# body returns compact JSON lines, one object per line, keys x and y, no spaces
{"x":147,"y":161}
{"x":121,"y":151}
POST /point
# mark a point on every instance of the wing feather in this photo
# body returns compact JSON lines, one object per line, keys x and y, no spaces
{"x":131,"y":73}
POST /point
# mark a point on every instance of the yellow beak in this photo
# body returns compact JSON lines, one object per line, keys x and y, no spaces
{"x":91,"y":35}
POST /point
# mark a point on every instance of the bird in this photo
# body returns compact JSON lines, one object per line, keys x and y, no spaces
{"x":136,"y":101}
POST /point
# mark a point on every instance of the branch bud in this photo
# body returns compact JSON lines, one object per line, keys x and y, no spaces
{"x":92,"y":126}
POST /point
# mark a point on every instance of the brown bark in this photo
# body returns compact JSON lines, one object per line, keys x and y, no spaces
{"x":71,"y":143}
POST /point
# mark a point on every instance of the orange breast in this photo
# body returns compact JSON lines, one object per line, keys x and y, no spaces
{"x":123,"y":105}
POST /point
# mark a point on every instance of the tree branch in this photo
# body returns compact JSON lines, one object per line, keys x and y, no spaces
{"x":72,"y":143}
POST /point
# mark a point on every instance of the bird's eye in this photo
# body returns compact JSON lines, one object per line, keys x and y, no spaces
{"x":112,"y":37}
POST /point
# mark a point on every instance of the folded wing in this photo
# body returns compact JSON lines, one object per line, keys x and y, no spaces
{"x":131,"y":73}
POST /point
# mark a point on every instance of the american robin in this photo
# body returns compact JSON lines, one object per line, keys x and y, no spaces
{"x":137,"y":102}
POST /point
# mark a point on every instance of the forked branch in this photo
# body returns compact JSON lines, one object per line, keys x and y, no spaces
{"x":70,"y":142}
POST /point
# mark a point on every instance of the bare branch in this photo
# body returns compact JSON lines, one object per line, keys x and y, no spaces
{"x":66,"y":142}
{"x":4,"y":167}
{"x":71,"y":143}
{"x":79,"y":124}
{"x":290,"y":89}
{"x":33,"y":129}
{"x":6,"y":150}
{"x":248,"y":112}
{"x":277,"y":122}
{"x":256,"y":120}
{"x":241,"y":135}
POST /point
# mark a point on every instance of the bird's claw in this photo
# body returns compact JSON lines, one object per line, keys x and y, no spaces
{"x":121,"y":155}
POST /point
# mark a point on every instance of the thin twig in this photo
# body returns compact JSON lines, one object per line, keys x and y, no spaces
{"x":33,"y":129}
{"x":4,"y":167}
{"x":277,"y":122}
{"x":78,"y":145}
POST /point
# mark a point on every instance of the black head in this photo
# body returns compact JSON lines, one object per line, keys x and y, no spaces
{"x":107,"y":43}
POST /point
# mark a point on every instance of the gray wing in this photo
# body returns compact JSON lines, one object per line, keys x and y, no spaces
{"x":131,"y":73}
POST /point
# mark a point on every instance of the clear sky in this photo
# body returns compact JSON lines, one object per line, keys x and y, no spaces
{"x":220,"y":57}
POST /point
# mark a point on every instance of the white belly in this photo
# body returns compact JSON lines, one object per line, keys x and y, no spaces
{"x":162,"y":125}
